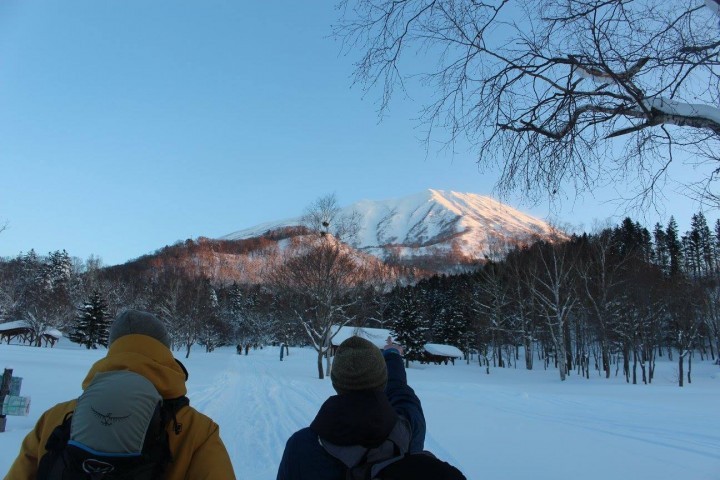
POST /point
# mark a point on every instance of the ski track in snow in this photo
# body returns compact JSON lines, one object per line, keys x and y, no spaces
{"x":689,"y":441}
{"x":256,"y":408}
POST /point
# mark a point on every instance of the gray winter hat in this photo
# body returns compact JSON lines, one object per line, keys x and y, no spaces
{"x":141,"y":323}
{"x":358,"y":365}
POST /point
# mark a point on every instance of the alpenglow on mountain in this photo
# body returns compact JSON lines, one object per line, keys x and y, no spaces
{"x":442,"y":227}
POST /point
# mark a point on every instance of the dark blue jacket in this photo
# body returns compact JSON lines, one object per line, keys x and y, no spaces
{"x":358,"y":418}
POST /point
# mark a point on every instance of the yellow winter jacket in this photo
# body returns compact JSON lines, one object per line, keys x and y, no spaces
{"x":198,"y":452}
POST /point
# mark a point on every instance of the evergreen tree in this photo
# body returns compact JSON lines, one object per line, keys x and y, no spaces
{"x":450,"y":325}
{"x":662,"y":257}
{"x":716,"y":246}
{"x":409,"y":325}
{"x":706,"y":252}
{"x":674,"y":247}
{"x":632,"y":239}
{"x":93,"y":323}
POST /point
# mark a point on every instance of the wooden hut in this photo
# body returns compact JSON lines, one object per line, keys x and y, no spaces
{"x":21,"y":330}
{"x":438,"y":353}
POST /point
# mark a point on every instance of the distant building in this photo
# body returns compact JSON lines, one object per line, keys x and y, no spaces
{"x":378,"y":336}
{"x":434,"y":352}
{"x":21,"y":330}
{"x":438,"y":353}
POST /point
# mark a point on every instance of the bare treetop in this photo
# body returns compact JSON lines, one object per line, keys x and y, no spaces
{"x":561,"y":94}
{"x":325,"y":216}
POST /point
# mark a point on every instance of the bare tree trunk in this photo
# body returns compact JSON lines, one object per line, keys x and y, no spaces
{"x":680,"y":368}
{"x":626,"y":363}
{"x":712,"y":349}
{"x":606,"y":359}
{"x":528,"y":353}
{"x":642,"y":368}
{"x":321,"y":373}
{"x":651,"y":365}
{"x":328,"y":363}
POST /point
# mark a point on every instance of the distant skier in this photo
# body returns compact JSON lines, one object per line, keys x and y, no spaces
{"x":373,"y":428}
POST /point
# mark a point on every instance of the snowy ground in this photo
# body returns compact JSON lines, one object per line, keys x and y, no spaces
{"x":511,"y":424}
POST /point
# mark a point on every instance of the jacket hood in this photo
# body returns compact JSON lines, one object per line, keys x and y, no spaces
{"x":147,"y":357}
{"x":356,"y":418}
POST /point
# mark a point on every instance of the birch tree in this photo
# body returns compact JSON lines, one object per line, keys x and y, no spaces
{"x":562,"y":94}
{"x":552,"y":286}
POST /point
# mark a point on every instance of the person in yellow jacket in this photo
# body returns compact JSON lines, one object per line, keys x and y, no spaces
{"x":139,"y":343}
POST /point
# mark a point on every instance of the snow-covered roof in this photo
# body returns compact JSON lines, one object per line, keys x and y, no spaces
{"x":378,"y":336}
{"x":53,"y":332}
{"x":444,"y":350}
{"x":15,"y":324}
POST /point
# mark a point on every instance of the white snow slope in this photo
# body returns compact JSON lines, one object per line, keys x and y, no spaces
{"x":422,"y":224}
{"x":511,"y":424}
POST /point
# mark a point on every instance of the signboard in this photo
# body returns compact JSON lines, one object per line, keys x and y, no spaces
{"x":15,"y":405}
{"x":15,"y":384}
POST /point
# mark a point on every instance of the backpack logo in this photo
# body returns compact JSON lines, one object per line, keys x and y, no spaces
{"x":108,"y":420}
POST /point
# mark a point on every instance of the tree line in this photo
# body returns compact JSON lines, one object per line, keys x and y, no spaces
{"x":610,"y":301}
{"x":613,"y":300}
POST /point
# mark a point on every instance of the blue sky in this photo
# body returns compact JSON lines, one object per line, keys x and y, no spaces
{"x":128,"y":125}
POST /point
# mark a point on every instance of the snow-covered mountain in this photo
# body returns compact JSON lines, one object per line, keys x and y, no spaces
{"x":458,"y":228}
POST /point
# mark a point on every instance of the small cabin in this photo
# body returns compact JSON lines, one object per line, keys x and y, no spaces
{"x":378,"y":336}
{"x":21,"y":330}
{"x":438,"y":353}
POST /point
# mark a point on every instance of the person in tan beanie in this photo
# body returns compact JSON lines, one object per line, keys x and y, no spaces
{"x":375,"y":423}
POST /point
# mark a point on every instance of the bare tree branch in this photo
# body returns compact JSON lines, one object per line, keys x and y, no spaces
{"x":546,"y":89}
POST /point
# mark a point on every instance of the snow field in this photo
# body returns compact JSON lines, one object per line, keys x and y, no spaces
{"x":511,"y":424}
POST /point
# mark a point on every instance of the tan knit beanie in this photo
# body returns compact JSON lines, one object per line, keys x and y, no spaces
{"x":358,"y":365}
{"x":137,"y":322}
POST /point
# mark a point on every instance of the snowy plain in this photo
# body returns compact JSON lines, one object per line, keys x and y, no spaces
{"x":511,"y":424}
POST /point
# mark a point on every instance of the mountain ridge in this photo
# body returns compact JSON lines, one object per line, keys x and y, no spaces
{"x":467,"y":226}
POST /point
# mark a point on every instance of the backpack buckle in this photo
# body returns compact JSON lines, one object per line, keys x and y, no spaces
{"x":96,"y":467}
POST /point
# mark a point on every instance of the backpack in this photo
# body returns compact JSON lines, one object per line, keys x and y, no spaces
{"x":116,"y":432}
{"x":391,"y":460}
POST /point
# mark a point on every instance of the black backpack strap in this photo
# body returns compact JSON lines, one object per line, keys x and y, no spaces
{"x":51,"y":463}
{"x":170,"y":407}
{"x":168,"y":411}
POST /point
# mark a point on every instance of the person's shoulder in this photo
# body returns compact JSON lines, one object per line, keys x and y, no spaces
{"x":303,"y":436}
{"x":302,"y":443}
{"x":196,"y":419}
{"x":59,"y":410}
{"x":195,"y":424}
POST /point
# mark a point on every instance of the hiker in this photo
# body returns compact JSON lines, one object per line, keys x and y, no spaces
{"x":139,"y":360}
{"x":368,"y":427}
